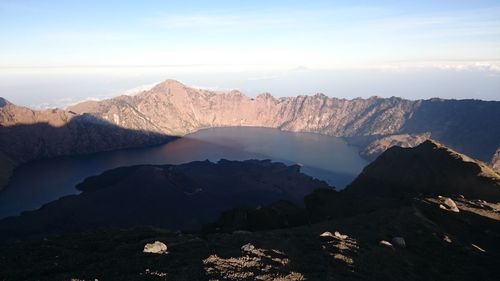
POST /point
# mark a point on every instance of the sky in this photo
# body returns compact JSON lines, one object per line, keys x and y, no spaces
{"x":56,"y":51}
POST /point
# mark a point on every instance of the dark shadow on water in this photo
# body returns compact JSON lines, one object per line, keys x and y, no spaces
{"x":35,"y":147}
{"x":41,"y":181}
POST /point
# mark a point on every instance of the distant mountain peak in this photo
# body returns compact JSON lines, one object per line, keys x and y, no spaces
{"x":168,"y":84}
{"x":3,"y":102}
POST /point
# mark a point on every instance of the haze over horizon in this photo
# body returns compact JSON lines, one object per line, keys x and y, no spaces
{"x":54,"y":53}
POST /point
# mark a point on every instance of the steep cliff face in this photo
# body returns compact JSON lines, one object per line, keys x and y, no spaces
{"x":428,"y":169}
{"x":176,"y":109}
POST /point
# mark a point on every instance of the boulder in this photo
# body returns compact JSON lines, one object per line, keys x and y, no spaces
{"x":336,"y":235}
{"x":326,"y":234}
{"x":449,"y":205}
{"x":155,"y":248}
{"x":340,"y":236}
{"x":385,"y":243}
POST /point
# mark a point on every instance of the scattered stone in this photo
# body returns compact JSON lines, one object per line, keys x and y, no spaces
{"x":446,"y":238}
{"x":336,"y":234}
{"x":340,"y":236}
{"x":385,"y":243}
{"x":399,"y":242}
{"x":155,"y":248}
{"x":155,"y":273}
{"x":461,"y":196}
{"x":326,"y":234}
{"x":248,"y":247}
{"x":478,"y":248}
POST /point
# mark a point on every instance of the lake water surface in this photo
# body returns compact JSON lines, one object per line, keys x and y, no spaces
{"x":323,"y":157}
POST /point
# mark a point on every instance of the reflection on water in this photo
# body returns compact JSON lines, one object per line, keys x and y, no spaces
{"x":326,"y":158}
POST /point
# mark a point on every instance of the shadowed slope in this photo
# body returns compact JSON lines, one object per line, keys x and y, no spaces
{"x":429,"y":169}
{"x":173,"y":196}
{"x":27,"y":135}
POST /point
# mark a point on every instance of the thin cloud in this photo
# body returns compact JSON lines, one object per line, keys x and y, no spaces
{"x":217,"y":21}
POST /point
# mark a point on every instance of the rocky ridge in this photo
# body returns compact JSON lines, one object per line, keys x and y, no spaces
{"x":174,"y":109}
{"x":428,"y":169}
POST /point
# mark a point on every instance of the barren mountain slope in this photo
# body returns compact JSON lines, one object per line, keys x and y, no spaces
{"x":173,"y":108}
{"x":428,"y":169}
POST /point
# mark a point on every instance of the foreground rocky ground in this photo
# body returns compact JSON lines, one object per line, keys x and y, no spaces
{"x":439,"y":245}
{"x":424,"y":213}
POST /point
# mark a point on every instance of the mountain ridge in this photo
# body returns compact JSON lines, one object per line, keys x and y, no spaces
{"x":174,"y":109}
{"x":429,"y":169}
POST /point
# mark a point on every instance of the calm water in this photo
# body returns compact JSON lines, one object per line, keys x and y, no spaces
{"x":323,"y":157}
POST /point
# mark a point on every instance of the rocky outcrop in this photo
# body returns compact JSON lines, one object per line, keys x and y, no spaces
{"x":155,"y":248}
{"x":428,"y":169}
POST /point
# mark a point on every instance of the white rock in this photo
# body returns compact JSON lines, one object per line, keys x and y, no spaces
{"x":340,"y":236}
{"x":478,"y":248}
{"x":451,"y":206}
{"x":248,"y":248}
{"x":155,"y":248}
{"x":399,"y":241}
{"x":326,"y":234}
{"x":385,"y":243}
{"x":447,"y":238}
{"x":336,"y":234}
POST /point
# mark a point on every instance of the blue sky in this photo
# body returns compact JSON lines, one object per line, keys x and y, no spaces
{"x":261,"y":37}
{"x":326,"y":34}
